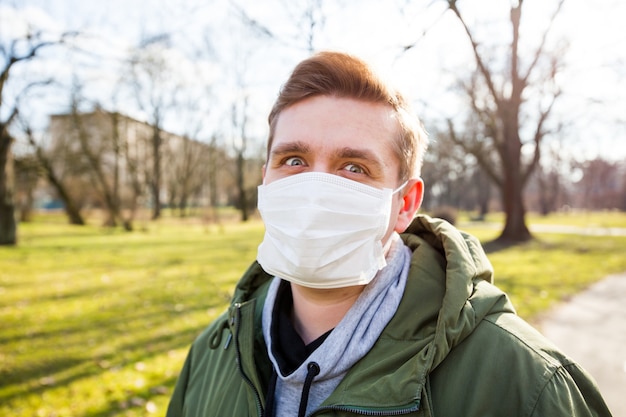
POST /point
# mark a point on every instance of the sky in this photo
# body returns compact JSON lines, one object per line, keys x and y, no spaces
{"x":221,"y":59}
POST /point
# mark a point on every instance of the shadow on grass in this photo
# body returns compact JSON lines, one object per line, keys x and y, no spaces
{"x":574,"y":245}
{"x":500,"y":244}
{"x":44,"y":377}
{"x":37,"y":373}
{"x":98,"y":323}
{"x":64,"y":368}
{"x":497,"y":245}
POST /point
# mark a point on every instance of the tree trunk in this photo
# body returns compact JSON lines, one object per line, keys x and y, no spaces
{"x":483,"y":193}
{"x":243,"y":198}
{"x":155,"y":186}
{"x":515,"y":229}
{"x":71,"y":210}
{"x":25,"y":209}
{"x":182,"y":205}
{"x":8,"y":226}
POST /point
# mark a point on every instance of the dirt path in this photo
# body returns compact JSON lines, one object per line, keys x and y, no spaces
{"x":591,"y":328}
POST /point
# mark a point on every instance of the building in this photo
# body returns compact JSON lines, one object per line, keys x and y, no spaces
{"x":107,"y":159}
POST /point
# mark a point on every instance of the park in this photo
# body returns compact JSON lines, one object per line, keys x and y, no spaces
{"x":131,"y":153}
{"x":97,"y":322}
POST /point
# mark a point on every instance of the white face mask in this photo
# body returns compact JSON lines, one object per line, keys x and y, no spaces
{"x":323,"y":230}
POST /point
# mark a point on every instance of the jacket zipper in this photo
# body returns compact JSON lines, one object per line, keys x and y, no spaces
{"x":257,"y":395}
{"x":365,"y":412}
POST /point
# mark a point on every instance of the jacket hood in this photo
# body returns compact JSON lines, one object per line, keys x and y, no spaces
{"x":448,"y":293}
{"x":464,"y":272}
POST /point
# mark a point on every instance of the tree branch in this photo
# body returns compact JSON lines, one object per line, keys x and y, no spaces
{"x":479,"y":61}
{"x":15,"y":111}
{"x":13,"y":57}
{"x":538,"y":137}
{"x":540,"y":48}
{"x":253,"y":23}
{"x":477,"y":151}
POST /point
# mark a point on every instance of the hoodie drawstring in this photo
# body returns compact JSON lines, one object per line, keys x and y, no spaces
{"x":313,"y":369}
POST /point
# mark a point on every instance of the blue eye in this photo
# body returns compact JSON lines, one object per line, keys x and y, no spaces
{"x":355,"y":169}
{"x":294,"y":161}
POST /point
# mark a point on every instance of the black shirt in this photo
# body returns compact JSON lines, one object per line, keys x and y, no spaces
{"x":287,"y":345}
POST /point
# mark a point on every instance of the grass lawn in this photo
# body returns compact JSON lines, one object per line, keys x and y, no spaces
{"x":98,"y":323}
{"x":601,"y":219}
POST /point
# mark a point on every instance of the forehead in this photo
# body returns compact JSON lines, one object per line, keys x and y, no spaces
{"x":338,"y":122}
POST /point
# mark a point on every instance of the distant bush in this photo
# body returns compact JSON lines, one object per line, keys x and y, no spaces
{"x":447,"y":213}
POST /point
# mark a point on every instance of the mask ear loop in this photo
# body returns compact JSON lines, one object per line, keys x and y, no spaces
{"x":402,"y":186}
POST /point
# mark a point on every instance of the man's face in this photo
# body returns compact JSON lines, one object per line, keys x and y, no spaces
{"x":339,"y":136}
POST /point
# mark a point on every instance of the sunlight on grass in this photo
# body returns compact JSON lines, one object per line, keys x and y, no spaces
{"x":581,"y":219}
{"x":552,"y":268}
{"x":602,"y":219}
{"x":98,"y":322}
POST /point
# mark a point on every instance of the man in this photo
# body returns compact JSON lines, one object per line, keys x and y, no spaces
{"x":342,"y":315}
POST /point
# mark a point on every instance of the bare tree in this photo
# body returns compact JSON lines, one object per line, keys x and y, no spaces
{"x":601,"y":185}
{"x":453,"y":177}
{"x":188,"y":168}
{"x":151,"y":79}
{"x":183,"y":175}
{"x":240,"y":145}
{"x":27,"y":173}
{"x":308,"y":17}
{"x":549,"y":178}
{"x":132,"y":167}
{"x":17,"y":51}
{"x":446,"y":172}
{"x":71,"y":208}
{"x":215,"y":163}
{"x":310,"y":20}
{"x":95,"y":149}
{"x":497,"y":99}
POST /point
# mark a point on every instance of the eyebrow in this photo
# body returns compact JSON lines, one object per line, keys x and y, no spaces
{"x":290,"y":147}
{"x":363,"y":154}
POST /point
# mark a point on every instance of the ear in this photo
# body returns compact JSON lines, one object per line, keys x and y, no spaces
{"x":411,"y":202}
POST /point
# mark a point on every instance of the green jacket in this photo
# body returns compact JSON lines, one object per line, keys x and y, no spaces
{"x":455,"y":347}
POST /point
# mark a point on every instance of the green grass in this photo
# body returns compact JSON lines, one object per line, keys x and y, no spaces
{"x":602,"y":219}
{"x":555,"y":267}
{"x":98,"y":323}
{"x":582,"y":219}
{"x":552,"y":267}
